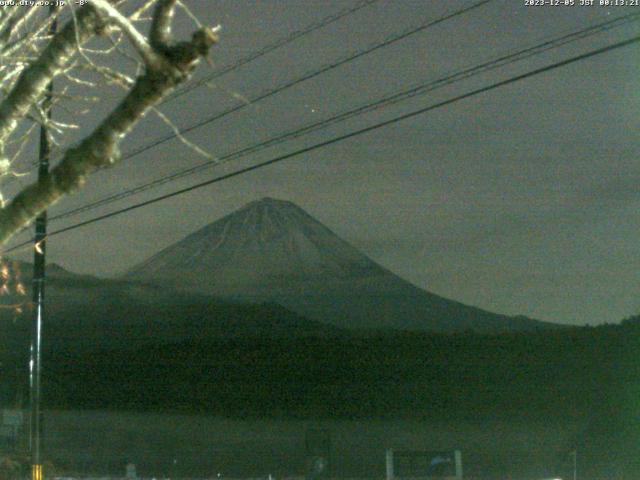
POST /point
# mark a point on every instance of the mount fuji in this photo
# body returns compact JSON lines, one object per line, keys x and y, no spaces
{"x":273,"y":251}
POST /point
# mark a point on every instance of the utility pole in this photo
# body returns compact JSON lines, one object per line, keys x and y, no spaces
{"x":35,"y":360}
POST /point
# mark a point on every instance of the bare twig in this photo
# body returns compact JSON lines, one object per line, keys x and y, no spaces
{"x":34,"y":79}
{"x":160,"y":35}
{"x":166,"y":66}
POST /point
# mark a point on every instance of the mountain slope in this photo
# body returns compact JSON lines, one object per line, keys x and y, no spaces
{"x":85,"y":313}
{"x":273,"y":250}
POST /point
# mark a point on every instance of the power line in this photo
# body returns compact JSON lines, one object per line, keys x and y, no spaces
{"x":348,"y":58}
{"x":273,"y":46}
{"x":268,"y":49}
{"x":376,"y":46}
{"x":341,"y":138}
{"x":381,"y":103}
{"x":308,"y":76}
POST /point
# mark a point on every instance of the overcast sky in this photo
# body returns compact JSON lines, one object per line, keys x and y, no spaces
{"x":522,"y":200}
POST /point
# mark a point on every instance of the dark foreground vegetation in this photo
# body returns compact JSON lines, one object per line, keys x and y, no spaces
{"x":557,"y":373}
{"x":586,"y":374}
{"x":412,"y":375}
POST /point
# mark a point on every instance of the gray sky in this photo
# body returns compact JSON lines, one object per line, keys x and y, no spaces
{"x":523,"y":200}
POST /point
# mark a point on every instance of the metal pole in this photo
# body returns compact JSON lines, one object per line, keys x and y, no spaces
{"x":35,"y":361}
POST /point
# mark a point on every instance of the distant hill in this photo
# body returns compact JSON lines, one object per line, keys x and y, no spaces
{"x":85,"y":313}
{"x":272,"y":250}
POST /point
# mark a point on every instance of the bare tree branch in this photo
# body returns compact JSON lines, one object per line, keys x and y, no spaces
{"x":167,"y":67}
{"x":160,"y":35}
{"x":34,"y":80}
{"x":138,"y":40}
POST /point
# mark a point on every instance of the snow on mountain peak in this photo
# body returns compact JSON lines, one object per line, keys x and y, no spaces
{"x":266,"y":240}
{"x":272,"y":250}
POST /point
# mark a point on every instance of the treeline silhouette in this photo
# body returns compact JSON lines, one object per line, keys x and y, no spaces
{"x":591,"y":374}
{"x":548,"y":372}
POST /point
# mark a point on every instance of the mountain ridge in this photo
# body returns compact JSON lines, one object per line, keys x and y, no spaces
{"x":273,"y":250}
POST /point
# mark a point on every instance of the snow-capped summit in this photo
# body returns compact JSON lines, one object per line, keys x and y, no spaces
{"x":272,"y":250}
{"x":267,"y":240}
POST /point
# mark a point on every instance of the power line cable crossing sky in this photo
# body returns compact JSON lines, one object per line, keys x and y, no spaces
{"x":347,"y":136}
{"x":478,"y":200}
{"x":379,"y":103}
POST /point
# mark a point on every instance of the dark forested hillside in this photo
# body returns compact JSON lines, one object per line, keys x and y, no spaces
{"x":588,"y":374}
{"x":402,"y":374}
